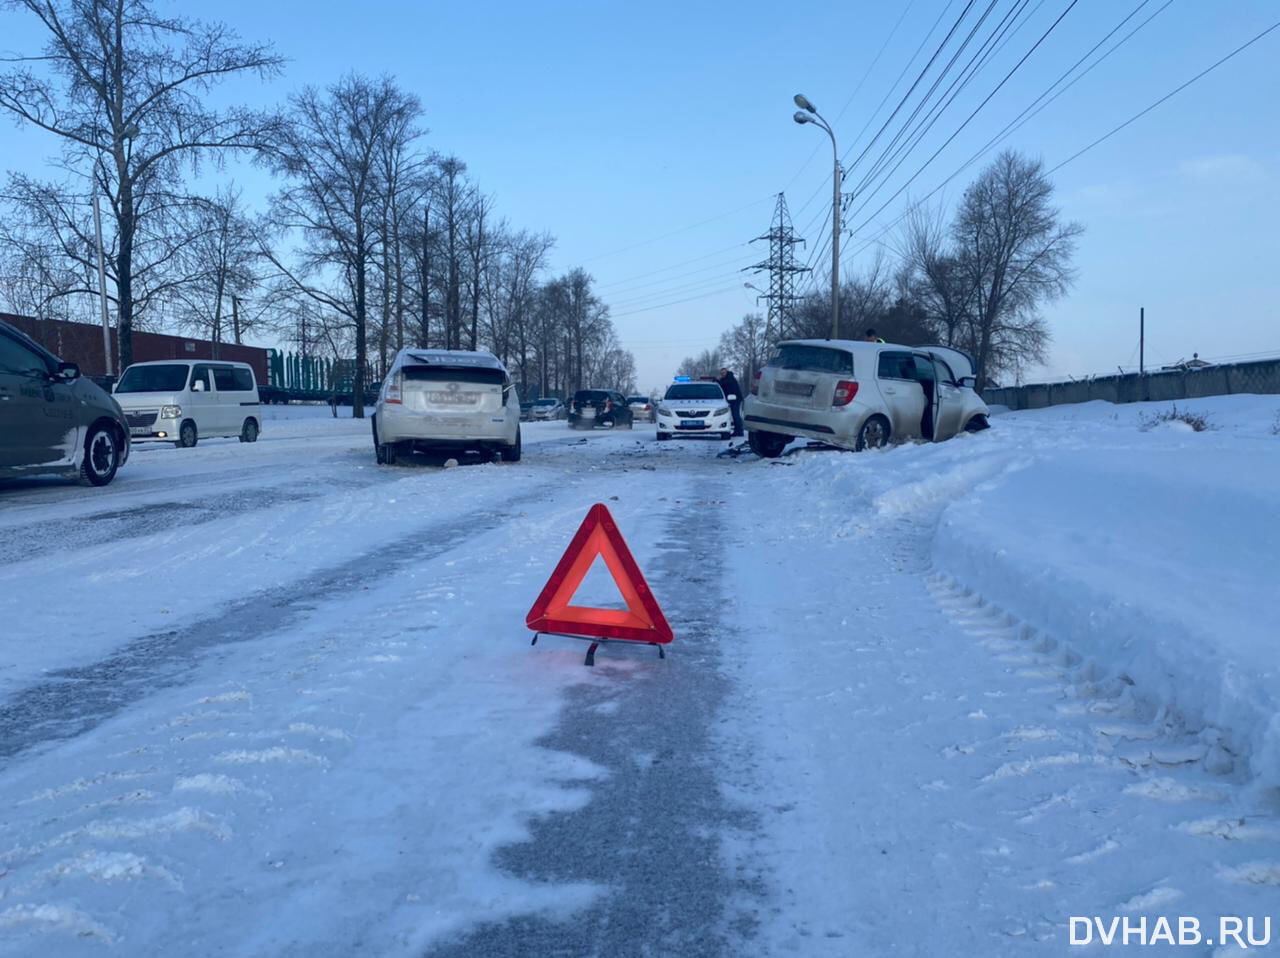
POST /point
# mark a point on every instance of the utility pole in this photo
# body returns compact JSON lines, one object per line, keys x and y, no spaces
{"x":102,"y":288}
{"x":836,"y":178}
{"x":1142,"y":340}
{"x":235,"y":317}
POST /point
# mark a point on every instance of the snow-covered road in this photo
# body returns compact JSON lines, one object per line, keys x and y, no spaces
{"x":273,"y":699}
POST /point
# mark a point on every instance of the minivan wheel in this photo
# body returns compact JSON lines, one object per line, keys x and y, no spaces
{"x":249,"y":431}
{"x":766,"y":445}
{"x":101,"y":456}
{"x":874,"y":434}
{"x":187,"y":436}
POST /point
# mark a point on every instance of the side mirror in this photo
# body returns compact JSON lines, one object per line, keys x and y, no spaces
{"x":68,"y":371}
{"x":197,"y":386}
{"x":969,"y":382}
{"x":731,"y":397}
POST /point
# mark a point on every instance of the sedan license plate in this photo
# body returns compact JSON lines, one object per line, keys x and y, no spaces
{"x":452,"y":398}
{"x":588,"y":413}
{"x":692,"y":424}
{"x":140,"y":431}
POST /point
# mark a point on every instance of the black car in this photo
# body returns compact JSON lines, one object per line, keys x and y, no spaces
{"x":599,"y":407}
{"x":52,"y":419}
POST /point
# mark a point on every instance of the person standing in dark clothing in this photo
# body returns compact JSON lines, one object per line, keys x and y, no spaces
{"x":729,"y":383}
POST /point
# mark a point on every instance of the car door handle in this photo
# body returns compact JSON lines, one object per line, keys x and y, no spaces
{"x":891,"y":392}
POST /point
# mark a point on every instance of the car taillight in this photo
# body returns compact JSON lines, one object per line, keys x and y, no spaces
{"x":393,"y":389}
{"x":846,"y":389}
{"x":755,"y":383}
{"x":608,"y":405}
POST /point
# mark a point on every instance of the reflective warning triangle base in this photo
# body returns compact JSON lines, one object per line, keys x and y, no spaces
{"x":641,"y":621}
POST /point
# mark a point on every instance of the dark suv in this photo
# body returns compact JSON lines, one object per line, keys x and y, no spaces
{"x":599,"y":407}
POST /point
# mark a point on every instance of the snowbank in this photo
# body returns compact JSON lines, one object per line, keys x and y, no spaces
{"x":1152,"y":552}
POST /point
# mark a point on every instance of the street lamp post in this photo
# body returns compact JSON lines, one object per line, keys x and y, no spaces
{"x":809,"y":114}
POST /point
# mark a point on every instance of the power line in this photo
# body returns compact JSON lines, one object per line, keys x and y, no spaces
{"x":880,"y":106}
{"x":676,"y":302}
{"x":1137,"y":116}
{"x":884,"y":46}
{"x":676,"y":232}
{"x":975,"y":112}
{"x":999,"y":38}
{"x":995,"y":141}
{"x":683,"y":262}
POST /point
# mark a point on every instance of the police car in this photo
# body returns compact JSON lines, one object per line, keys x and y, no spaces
{"x":692,"y":408}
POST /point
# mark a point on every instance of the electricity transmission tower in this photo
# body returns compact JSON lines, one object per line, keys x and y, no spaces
{"x":782,"y":269}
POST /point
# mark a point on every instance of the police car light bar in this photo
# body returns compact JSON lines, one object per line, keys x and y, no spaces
{"x":683,"y":379}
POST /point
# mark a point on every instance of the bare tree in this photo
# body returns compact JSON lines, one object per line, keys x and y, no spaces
{"x":936,"y":280}
{"x":1014,"y":255}
{"x":454,"y":198}
{"x":706,"y":363}
{"x":328,"y":149}
{"x":744,"y":349}
{"x":218,"y":261}
{"x":126,"y":91}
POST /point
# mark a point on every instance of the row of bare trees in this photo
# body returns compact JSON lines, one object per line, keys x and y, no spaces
{"x":976,"y":282}
{"x":371,"y":242}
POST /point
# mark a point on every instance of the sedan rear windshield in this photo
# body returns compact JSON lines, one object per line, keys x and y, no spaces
{"x":817,"y":359}
{"x":643,"y":399}
{"x":454,"y":374}
{"x":695,"y":391}
{"x":590,"y":395}
{"x":546,"y":402}
{"x":153,"y":379}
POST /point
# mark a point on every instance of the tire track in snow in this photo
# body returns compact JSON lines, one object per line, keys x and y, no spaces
{"x":74,"y":700}
{"x":649,"y":836}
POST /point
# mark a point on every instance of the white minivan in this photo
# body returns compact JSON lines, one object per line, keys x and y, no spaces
{"x":183,"y":401}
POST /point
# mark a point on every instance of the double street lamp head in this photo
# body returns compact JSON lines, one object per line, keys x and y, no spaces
{"x":802,"y":101}
{"x":801,"y":117}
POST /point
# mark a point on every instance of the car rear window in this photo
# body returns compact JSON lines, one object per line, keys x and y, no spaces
{"x":153,"y":379}
{"x":590,"y":395}
{"x":546,"y":402}
{"x":817,"y":359}
{"x":694,"y":391}
{"x":643,"y":399}
{"x":454,"y":374}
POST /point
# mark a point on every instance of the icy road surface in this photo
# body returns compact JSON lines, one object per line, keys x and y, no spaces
{"x":274,"y":699}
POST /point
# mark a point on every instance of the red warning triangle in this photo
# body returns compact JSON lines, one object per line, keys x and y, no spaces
{"x":641,"y":621}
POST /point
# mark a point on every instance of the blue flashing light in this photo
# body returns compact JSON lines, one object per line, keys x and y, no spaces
{"x":683,"y":379}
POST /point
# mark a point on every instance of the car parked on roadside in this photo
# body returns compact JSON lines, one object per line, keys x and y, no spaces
{"x":694,"y":409}
{"x":526,"y":411}
{"x":599,"y":407}
{"x":549,"y":409}
{"x":859,"y":395}
{"x":52,"y":419}
{"x":183,"y":401}
{"x":436,"y":400}
{"x":642,"y":408}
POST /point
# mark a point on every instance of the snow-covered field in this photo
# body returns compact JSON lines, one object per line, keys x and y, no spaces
{"x":274,"y":699}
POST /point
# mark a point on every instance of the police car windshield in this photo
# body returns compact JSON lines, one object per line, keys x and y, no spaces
{"x":694,"y":391}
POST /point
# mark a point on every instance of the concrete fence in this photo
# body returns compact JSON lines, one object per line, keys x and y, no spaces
{"x":1261,"y":376}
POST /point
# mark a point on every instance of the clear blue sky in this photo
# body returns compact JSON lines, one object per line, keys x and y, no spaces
{"x":652,"y":138}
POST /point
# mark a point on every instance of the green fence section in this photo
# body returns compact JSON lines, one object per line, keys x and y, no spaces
{"x":295,"y":376}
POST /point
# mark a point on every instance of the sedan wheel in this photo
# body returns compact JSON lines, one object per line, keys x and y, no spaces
{"x":101,"y":456}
